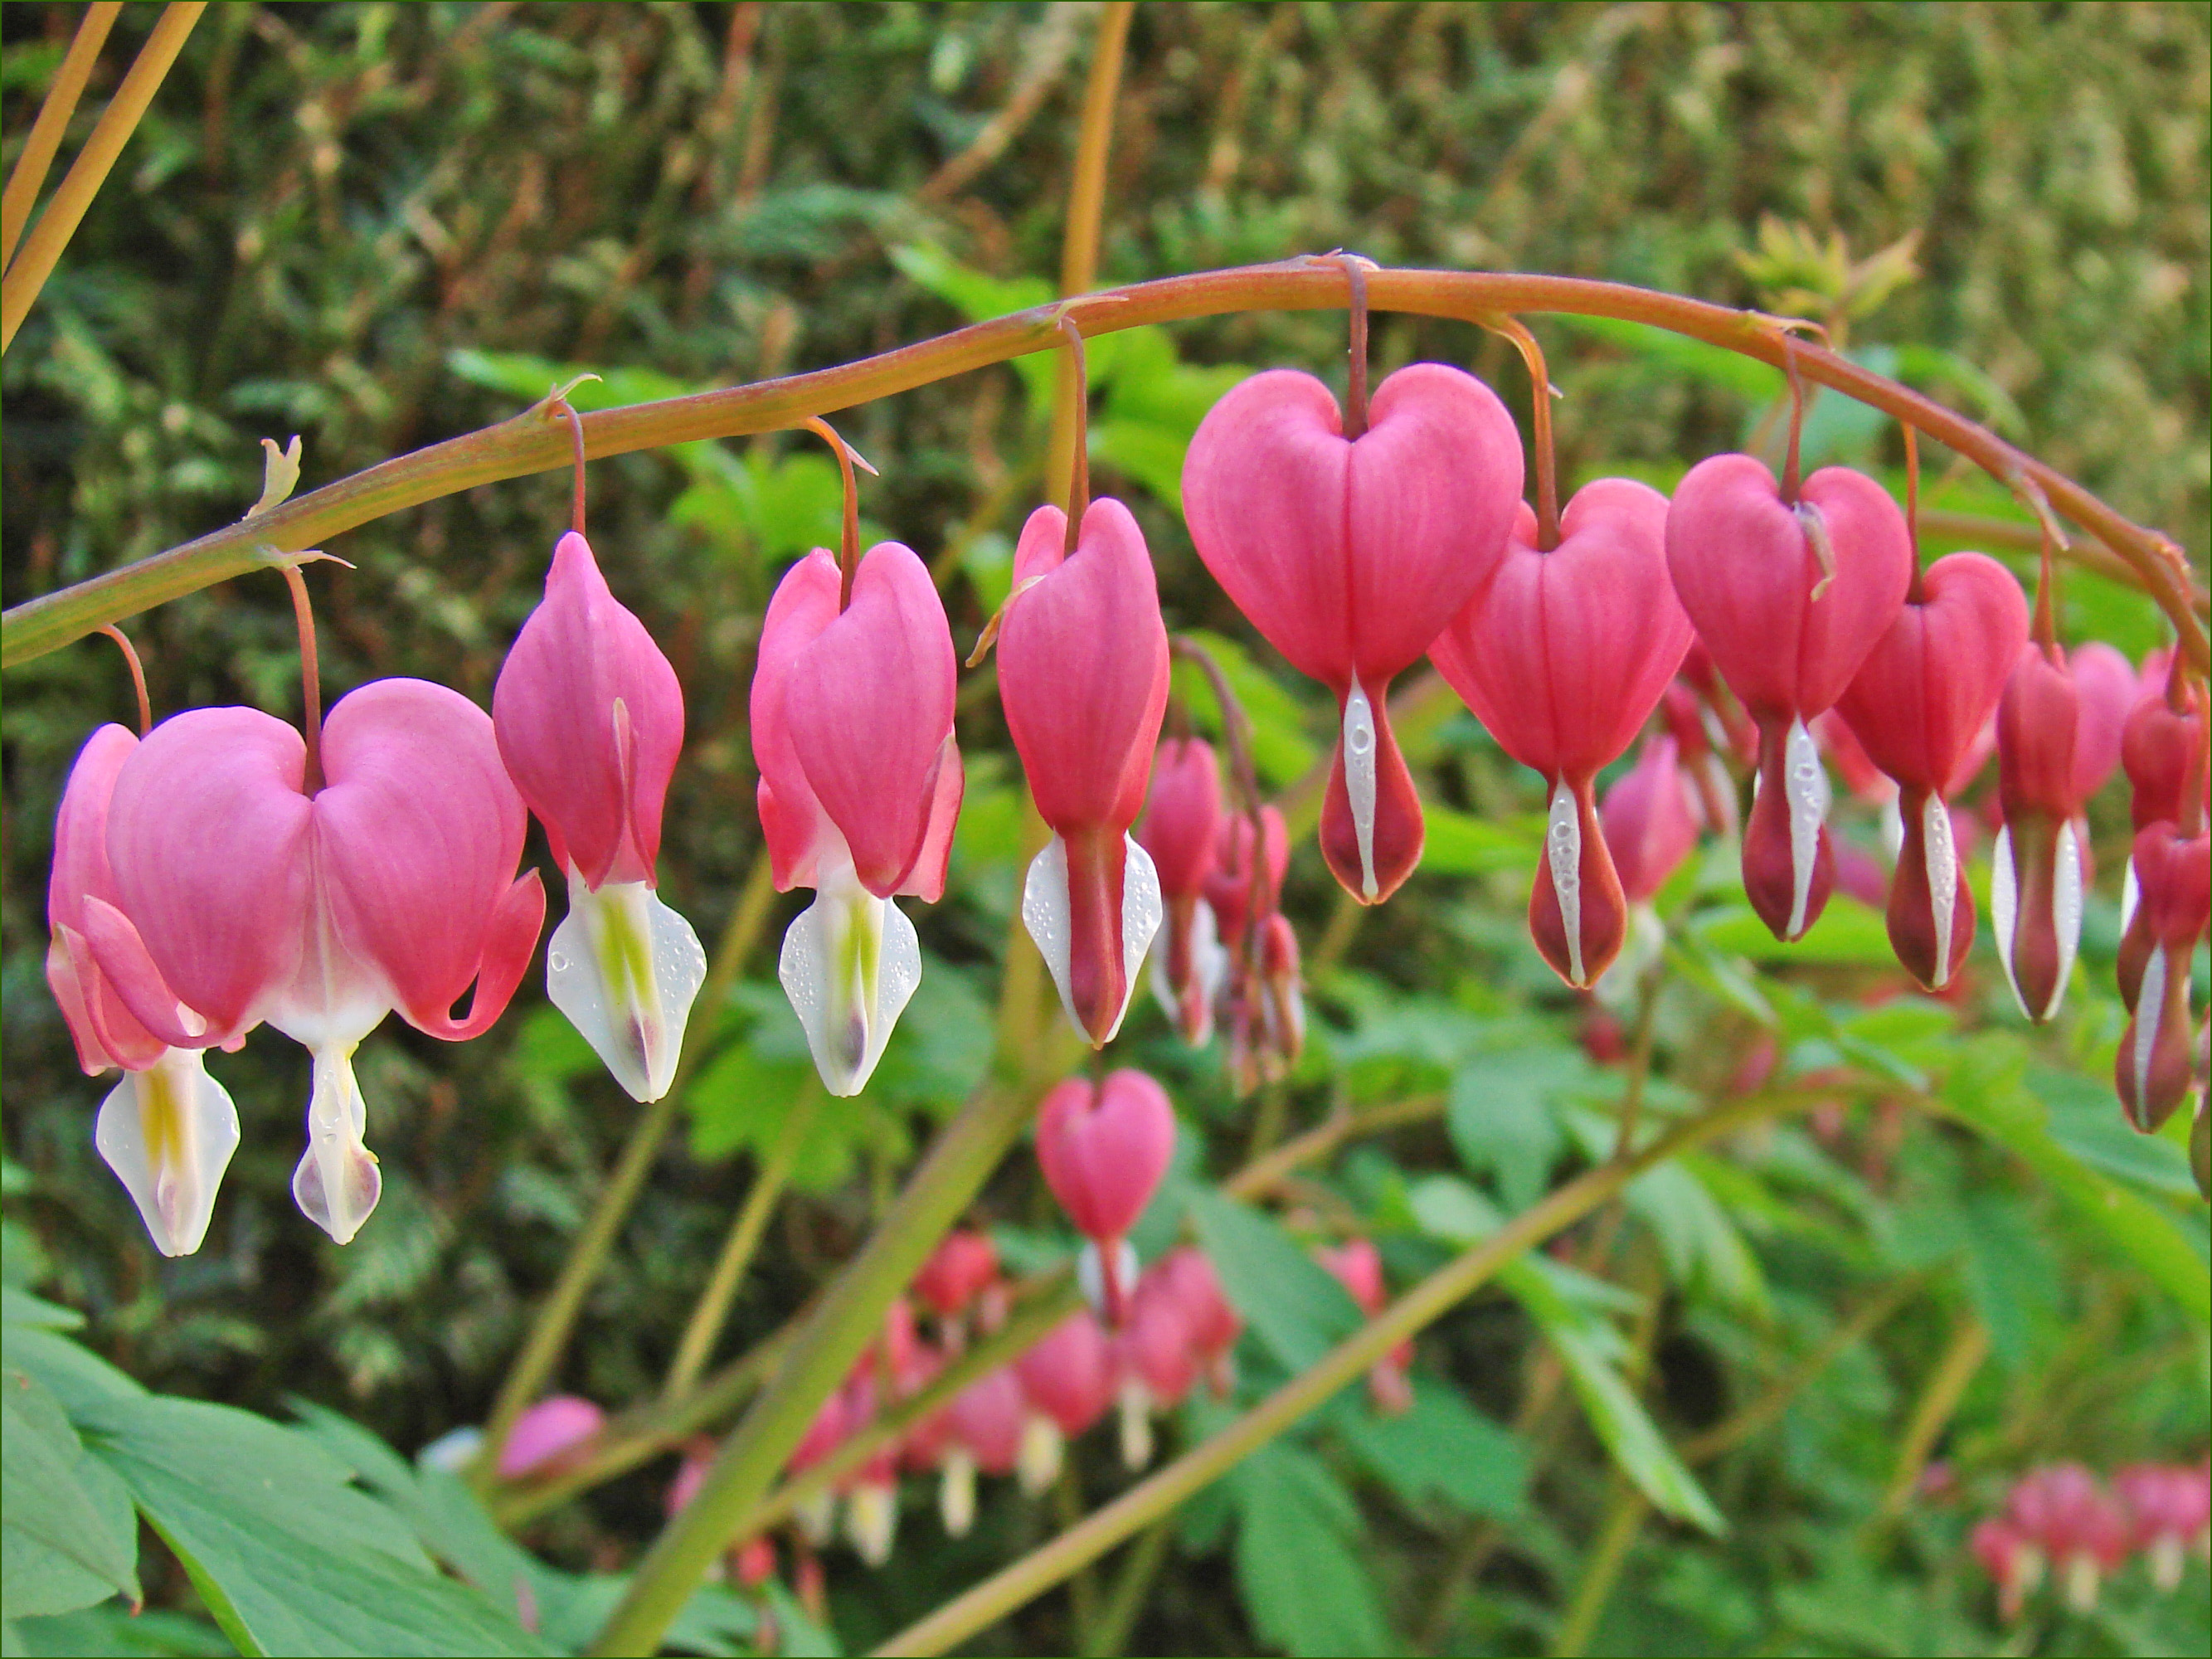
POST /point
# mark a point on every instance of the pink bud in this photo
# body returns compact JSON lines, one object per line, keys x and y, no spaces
{"x":961,"y":1266}
{"x":1229,"y":888}
{"x":1350,"y":555}
{"x":2108,"y":687}
{"x":1083,"y":673}
{"x":756,"y":1562}
{"x":1788,"y":597}
{"x":1182,"y":819}
{"x":1651,"y":820}
{"x":1103,"y":1147}
{"x":2036,"y":873}
{"x":590,"y":720}
{"x":1916,"y":704}
{"x":2011,"y":1561}
{"x":1069,"y":1375}
{"x":2155,"y":1069}
{"x":1283,"y":1004}
{"x":2161,"y":743}
{"x":549,"y":1436}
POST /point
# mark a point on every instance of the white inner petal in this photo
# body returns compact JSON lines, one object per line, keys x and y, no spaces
{"x":850,"y":964}
{"x":1359,"y":781}
{"x":168,"y":1134}
{"x":2150,"y":1010}
{"x":2004,"y":909}
{"x":625,"y":968}
{"x":1209,"y":972}
{"x":2065,"y":910}
{"x":871,"y":1520}
{"x":1892,"y":828}
{"x":816,"y":1515}
{"x":1806,"y":785}
{"x":1048,"y":913}
{"x":1090,"y":1272}
{"x":1135,"y":1401}
{"x":956,"y":1491}
{"x":1038,"y":1460}
{"x":2130,"y":893}
{"x":1563,"y":850}
{"x":337,"y":1183}
{"x":1942,"y":859}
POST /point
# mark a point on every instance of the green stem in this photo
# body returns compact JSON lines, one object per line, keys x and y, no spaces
{"x":1161,"y":1492}
{"x":713,"y":1310}
{"x":827,"y":1345}
{"x":1624,"y":1519}
{"x":1107,"y":1637}
{"x":527,"y":444}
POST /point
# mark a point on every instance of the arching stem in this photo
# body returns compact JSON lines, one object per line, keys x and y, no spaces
{"x":1916,"y":593}
{"x":848,"y":542}
{"x":2042,"y":627}
{"x":311,"y":676}
{"x":137,"y":675}
{"x":1789,"y":465}
{"x":1079,"y":460}
{"x":561,"y":408}
{"x":1540,"y":414}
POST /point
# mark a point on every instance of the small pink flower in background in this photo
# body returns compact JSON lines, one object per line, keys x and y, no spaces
{"x":168,"y":1129}
{"x":590,"y":721}
{"x":550,"y":1438}
{"x":983,"y":1435}
{"x":1068,"y":1380}
{"x":1357,"y":1266}
{"x":1788,"y":598}
{"x":1185,"y":1276}
{"x":1082,"y":674}
{"x":958,"y":1271}
{"x":1103,"y":1147}
{"x":2155,"y":1070}
{"x":1182,"y":820}
{"x":1155,"y":1363}
{"x":244,"y":894}
{"x":2012,"y":1561}
{"x":861,"y":784}
{"x":1350,"y":554}
{"x":1651,"y":818}
{"x":2170,"y":1506}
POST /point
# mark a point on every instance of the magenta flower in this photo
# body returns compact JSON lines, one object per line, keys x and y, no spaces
{"x":1350,"y":554}
{"x":1562,"y":656}
{"x":2155,"y":1069}
{"x":1788,"y":598}
{"x":1103,"y":1147}
{"x":1651,"y":819}
{"x":1916,"y":705}
{"x":860,"y":783}
{"x":168,"y":1129}
{"x":983,"y":1435}
{"x":1067,"y":1379}
{"x":245,"y":893}
{"x":1082,"y":674}
{"x":590,"y":721}
{"x":1357,"y":1266}
{"x":1182,"y":819}
{"x":2037,"y":871}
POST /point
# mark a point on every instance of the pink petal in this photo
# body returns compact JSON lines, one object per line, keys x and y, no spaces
{"x":797,"y":831}
{"x":1183,"y":815}
{"x":2107,"y":683}
{"x":1103,"y":1148}
{"x":104,"y":1030}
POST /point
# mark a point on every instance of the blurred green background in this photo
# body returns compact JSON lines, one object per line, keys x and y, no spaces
{"x":380,"y":225}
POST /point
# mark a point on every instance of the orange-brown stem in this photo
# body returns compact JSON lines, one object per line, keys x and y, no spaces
{"x":849,"y":534}
{"x":311,"y":677}
{"x":137,"y":675}
{"x":1079,"y":460}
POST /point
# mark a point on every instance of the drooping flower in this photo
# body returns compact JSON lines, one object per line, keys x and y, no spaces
{"x":590,"y":720}
{"x":1350,"y":554}
{"x":1082,"y":674}
{"x":2170,"y":1505}
{"x":1067,"y":1382}
{"x":1787,"y":596}
{"x":1103,"y":1147}
{"x":1651,"y":819}
{"x":243,"y":893}
{"x":1562,"y":656}
{"x":2164,"y":734}
{"x":1155,"y":1363}
{"x":1182,"y":819}
{"x":1185,"y":1276}
{"x":2155,"y":1069}
{"x":1916,"y":705}
{"x":963,"y":1263}
{"x":168,"y":1129}
{"x":860,"y":783}
{"x":550,"y":1438}
{"x":983,"y":1436}
{"x":2036,"y":872}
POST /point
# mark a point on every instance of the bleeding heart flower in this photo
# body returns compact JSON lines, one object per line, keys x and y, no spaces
{"x":1103,"y":1147}
{"x":2036,"y":871}
{"x":1155,"y":1363}
{"x":1350,"y":554}
{"x":1182,"y":819}
{"x":2163,"y":740}
{"x":1562,"y":656}
{"x":1185,"y":1276}
{"x":1651,"y":819}
{"x":1916,"y":705}
{"x":590,"y":720}
{"x":242,"y":896}
{"x":963,"y":1263}
{"x":2155,"y":1070}
{"x":1068,"y":1380}
{"x":1083,"y":673}
{"x":2108,"y":688}
{"x":550,"y":1438}
{"x":984,"y":1424}
{"x":1788,"y":597}
{"x":860,"y":783}
{"x":168,"y":1129}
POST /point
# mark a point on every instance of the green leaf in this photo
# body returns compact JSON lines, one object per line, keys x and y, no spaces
{"x":79,"y":1377}
{"x":798,"y":1635}
{"x":1848,"y":933}
{"x":1441,"y":1448}
{"x":1298,"y":1569}
{"x":2085,"y":1120}
{"x":1291,"y":1301}
{"x":68,"y":1538}
{"x":1501,"y":1121}
{"x":1459,"y":844}
{"x":1702,"y":1246}
{"x":21,"y":1307}
{"x":1281,"y":751}
{"x":288,"y":1556}
{"x":1678,"y":353}
{"x":2011,"y":1276}
{"x":148,"y":1634}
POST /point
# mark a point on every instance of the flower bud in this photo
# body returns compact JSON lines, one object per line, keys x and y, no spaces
{"x":2036,"y":873}
{"x":1182,"y":819}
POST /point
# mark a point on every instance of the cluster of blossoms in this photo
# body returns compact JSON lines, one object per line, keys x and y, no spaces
{"x":2064,"y":1521}
{"x":229,"y":870}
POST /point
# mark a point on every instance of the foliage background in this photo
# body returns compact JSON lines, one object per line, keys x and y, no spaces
{"x":380,"y":225}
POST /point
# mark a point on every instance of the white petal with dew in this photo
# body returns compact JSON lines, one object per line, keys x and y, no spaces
{"x":625,"y":968}
{"x":850,"y":964}
{"x":1359,"y":743}
{"x":1805,"y":783}
{"x":1090,"y":1272}
{"x":1049,"y":914}
{"x":2150,"y":1012}
{"x":2131,"y":894}
{"x":1943,"y":861}
{"x":2065,"y":910}
{"x":337,"y":1183}
{"x":168,"y":1133}
{"x":956,"y":1491}
{"x":1038,"y":1463}
{"x":1563,"y":852}
{"x":2004,"y":909}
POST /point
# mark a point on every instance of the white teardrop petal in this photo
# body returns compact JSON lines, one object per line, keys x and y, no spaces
{"x":850,"y":964}
{"x":956,"y":1491}
{"x":1562,"y":852}
{"x":1805,"y":782}
{"x":2150,"y":1010}
{"x":168,"y":1134}
{"x":2065,"y":910}
{"x":1942,"y":858}
{"x":625,"y":968}
{"x":2131,"y":894}
{"x":1048,"y":913}
{"x":1042,"y":1451}
{"x":337,"y":1183}
{"x":1892,"y":828}
{"x":1360,"y":744}
{"x":1090,"y":1272}
{"x":2004,"y":908}
{"x":871,"y":1520}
